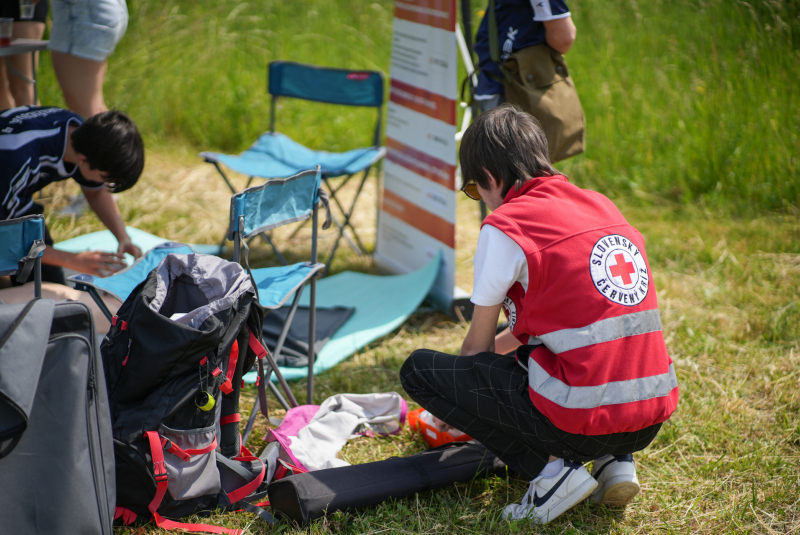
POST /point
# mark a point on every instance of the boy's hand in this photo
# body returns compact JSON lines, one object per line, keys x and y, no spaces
{"x":130,"y":248}
{"x":97,"y":263}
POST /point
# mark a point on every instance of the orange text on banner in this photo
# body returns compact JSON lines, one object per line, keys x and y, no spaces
{"x":437,"y":13}
{"x":423,"y":164}
{"x":423,"y":101}
{"x":419,"y":218}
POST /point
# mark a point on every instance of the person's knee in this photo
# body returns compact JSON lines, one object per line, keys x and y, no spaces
{"x":409,"y":376}
{"x":408,"y":369}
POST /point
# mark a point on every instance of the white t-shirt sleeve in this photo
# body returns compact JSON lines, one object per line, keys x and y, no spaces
{"x":498,"y":263}
{"x":544,"y":10}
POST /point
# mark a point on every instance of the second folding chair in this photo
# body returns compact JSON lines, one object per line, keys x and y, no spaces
{"x":275,"y":155}
{"x":268,"y":206}
{"x":21,"y":249}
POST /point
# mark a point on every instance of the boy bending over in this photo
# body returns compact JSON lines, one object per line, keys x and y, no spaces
{"x":104,"y":154}
{"x":582,"y":373}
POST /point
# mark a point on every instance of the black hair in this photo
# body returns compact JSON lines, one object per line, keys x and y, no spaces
{"x":509,"y":144}
{"x":112,"y":144}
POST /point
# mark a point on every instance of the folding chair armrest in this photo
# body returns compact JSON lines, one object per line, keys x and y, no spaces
{"x":27,"y":262}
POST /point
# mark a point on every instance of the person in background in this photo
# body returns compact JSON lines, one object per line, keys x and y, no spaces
{"x":83,"y":35}
{"x":520,"y":24}
{"x":15,"y":90}
{"x":104,"y":155}
{"x":582,"y":373}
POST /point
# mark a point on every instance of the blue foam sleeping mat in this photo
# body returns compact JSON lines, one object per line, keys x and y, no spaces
{"x":106,"y":242}
{"x":382,"y":304}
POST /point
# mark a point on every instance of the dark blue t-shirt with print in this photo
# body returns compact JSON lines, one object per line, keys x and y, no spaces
{"x":33,"y":140}
{"x":519,"y":25}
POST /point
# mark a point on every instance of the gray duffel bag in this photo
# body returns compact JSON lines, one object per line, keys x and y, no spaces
{"x":56,"y":453}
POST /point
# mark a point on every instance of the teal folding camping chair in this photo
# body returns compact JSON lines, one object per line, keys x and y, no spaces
{"x":262,"y":208}
{"x":21,"y":249}
{"x":121,"y":284}
{"x":275,"y":155}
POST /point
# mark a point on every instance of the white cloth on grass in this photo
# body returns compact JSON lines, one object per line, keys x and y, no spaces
{"x":342,"y":417}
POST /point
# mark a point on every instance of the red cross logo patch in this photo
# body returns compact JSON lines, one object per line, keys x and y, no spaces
{"x":619,"y":271}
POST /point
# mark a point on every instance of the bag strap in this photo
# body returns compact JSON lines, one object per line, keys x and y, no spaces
{"x":494,"y":41}
{"x":185,"y":455}
{"x":127,"y":516}
{"x":494,"y":45}
{"x":246,"y":490}
{"x":227,"y":386}
{"x":261,"y":353}
{"x":160,"y":472}
{"x":257,"y":510}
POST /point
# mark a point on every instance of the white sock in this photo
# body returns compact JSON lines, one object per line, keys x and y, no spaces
{"x":604,"y":459}
{"x":553,"y":468}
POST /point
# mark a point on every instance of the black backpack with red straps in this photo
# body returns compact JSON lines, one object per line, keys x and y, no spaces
{"x":174,"y":359}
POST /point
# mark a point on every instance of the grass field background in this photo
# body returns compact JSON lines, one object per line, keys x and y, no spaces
{"x":693,"y":128}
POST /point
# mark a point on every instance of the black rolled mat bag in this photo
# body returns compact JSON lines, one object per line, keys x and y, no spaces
{"x":56,"y":456}
{"x":174,"y":359}
{"x":305,"y":497}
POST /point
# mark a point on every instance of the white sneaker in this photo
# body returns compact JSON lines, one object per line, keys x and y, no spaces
{"x":548,"y":497}
{"x":617,"y":483}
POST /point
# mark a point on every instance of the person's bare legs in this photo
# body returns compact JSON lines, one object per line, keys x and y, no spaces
{"x":22,"y":91}
{"x":6,"y":99}
{"x":81,"y":81}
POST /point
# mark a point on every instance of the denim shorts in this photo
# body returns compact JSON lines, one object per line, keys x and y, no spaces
{"x":89,"y":29}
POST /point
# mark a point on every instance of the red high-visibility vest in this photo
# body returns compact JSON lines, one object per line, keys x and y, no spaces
{"x":601,"y":365}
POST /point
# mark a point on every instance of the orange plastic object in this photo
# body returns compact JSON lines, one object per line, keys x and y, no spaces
{"x":432,"y":436}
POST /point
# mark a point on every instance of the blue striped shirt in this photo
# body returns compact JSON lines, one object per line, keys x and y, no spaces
{"x":32,"y":144}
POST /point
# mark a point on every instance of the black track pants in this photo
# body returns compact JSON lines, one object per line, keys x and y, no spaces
{"x":486,"y":397}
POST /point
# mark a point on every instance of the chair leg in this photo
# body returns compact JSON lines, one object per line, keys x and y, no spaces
{"x":312,"y":332}
{"x":100,"y":303}
{"x":287,"y":324}
{"x":347,"y":216}
{"x":353,"y":245}
{"x":336,"y":222}
{"x":353,"y":206}
{"x":225,"y":178}
{"x":281,"y":380}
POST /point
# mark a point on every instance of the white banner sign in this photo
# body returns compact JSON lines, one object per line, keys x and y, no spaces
{"x":417,"y":213}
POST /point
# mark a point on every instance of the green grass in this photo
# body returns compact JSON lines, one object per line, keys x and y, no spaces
{"x":728,"y":461}
{"x":693,"y":129}
{"x":692,"y":101}
{"x":688,"y":101}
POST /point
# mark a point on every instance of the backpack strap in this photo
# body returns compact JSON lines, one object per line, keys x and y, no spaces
{"x":185,"y":455}
{"x":248,"y":489}
{"x":227,"y":386}
{"x":127,"y":516}
{"x":261,"y":353}
{"x":160,"y":472}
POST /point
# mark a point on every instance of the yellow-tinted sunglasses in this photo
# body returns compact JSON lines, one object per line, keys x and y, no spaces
{"x":470,"y":189}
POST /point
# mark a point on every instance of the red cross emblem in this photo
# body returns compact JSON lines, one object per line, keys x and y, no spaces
{"x":622,"y":269}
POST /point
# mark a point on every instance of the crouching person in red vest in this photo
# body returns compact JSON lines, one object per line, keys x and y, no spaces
{"x":582,"y":373}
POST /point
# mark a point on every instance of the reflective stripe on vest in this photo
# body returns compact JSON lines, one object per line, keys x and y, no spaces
{"x":590,"y":397}
{"x":606,"y":330}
